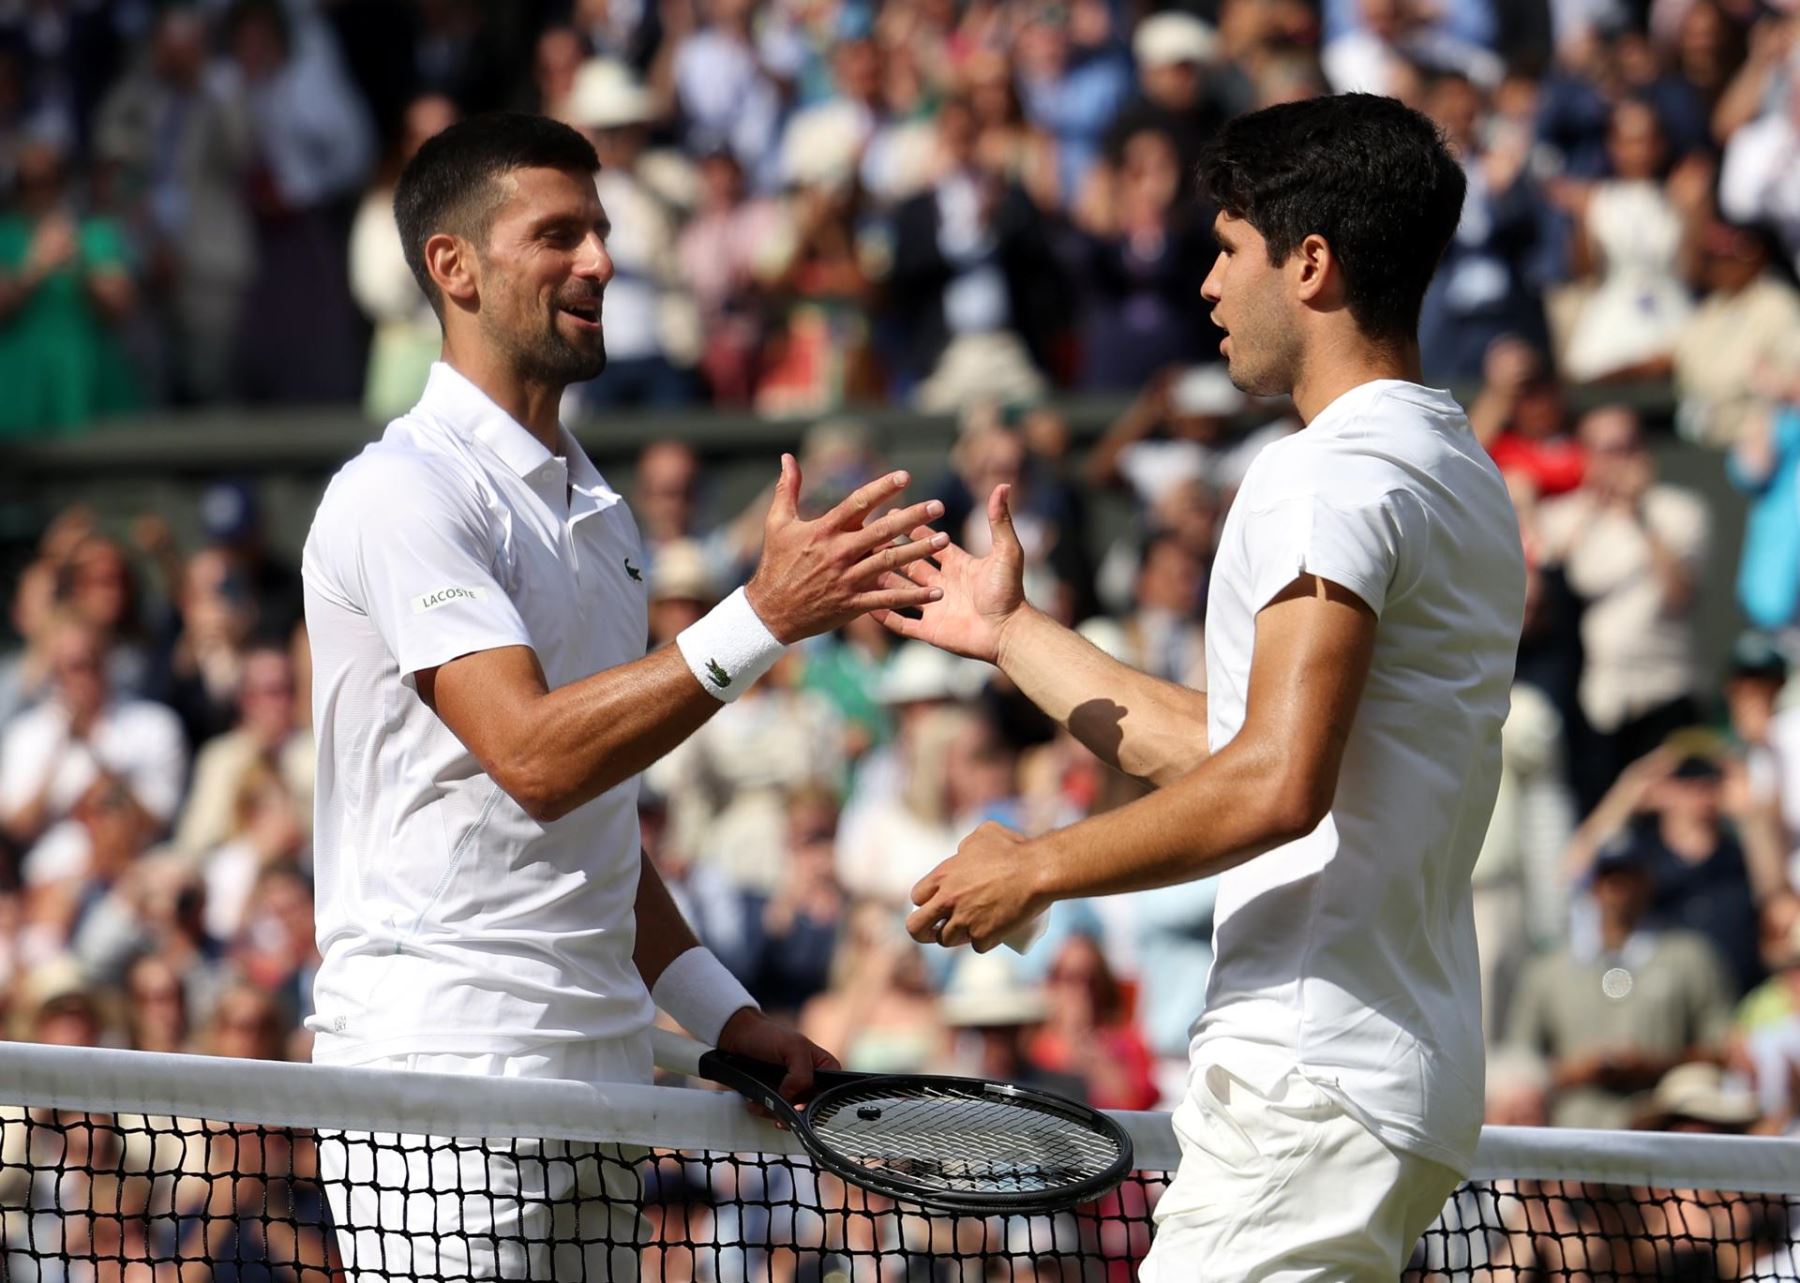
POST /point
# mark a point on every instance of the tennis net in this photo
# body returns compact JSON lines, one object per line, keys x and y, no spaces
{"x":129,"y":1166}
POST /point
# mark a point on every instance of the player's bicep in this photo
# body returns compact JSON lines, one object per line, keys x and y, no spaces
{"x":486,"y":698}
{"x":1314,"y":643}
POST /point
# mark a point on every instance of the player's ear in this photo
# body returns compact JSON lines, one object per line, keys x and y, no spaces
{"x":1313,"y":261}
{"x":451,"y":263}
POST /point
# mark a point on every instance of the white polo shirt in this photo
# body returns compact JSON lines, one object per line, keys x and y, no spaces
{"x":449,"y":920}
{"x":1349,"y":954}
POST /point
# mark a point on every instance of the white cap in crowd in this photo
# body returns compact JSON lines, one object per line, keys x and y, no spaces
{"x":1170,"y":38}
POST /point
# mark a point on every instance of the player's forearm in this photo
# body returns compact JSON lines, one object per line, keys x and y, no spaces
{"x":577,"y":741}
{"x":1142,"y":725}
{"x":663,"y":935}
{"x":1243,"y":801}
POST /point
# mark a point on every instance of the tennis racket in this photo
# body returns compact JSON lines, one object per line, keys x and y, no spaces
{"x":960,"y":1146}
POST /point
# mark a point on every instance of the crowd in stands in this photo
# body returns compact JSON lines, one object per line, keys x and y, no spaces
{"x":963,"y":206}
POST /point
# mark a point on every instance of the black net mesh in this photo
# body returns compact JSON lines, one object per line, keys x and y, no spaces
{"x":87,"y":1196}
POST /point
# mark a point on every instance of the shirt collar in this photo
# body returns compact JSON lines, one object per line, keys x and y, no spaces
{"x":452,"y":398}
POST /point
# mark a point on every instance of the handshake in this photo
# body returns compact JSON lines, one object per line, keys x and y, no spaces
{"x":859,"y":558}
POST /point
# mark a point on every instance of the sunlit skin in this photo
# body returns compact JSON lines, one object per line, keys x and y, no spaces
{"x":522,"y":312}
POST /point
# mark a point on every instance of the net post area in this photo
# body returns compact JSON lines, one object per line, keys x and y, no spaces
{"x":131,"y":1166}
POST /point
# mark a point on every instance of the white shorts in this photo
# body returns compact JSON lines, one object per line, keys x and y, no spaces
{"x":1286,"y":1187}
{"x":433,"y":1207}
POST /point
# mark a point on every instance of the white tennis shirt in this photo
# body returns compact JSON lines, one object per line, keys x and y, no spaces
{"x":449,"y":919}
{"x":1349,"y":954}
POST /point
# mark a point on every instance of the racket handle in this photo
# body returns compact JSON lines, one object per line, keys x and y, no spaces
{"x":1028,"y":934}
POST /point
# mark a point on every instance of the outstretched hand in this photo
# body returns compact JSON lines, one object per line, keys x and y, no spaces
{"x":980,"y":596}
{"x":815,"y":576}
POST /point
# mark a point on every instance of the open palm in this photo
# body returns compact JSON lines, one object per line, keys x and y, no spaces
{"x":981,"y":594}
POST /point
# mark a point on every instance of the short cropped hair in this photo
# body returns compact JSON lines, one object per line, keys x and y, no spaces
{"x":1369,"y":174}
{"x":452,"y":184}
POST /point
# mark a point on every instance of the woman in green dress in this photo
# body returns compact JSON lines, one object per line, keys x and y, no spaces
{"x":64,"y":287}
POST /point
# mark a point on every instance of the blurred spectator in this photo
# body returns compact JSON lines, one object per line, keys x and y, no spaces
{"x":1759,"y":181}
{"x":727,"y":783}
{"x":792,"y":930}
{"x":61,"y":1007}
{"x":1667,"y":813}
{"x":1520,"y":896}
{"x":156,"y":1009}
{"x":181,"y":153}
{"x":1074,"y":76}
{"x":1765,"y":464}
{"x":1614,"y":1015}
{"x":879,"y":1015}
{"x":1088,"y":1031}
{"x":898,"y":820}
{"x":95,"y":583}
{"x":1746,"y":330}
{"x":993,"y":450}
{"x":1769,"y":1023}
{"x":266,"y":830}
{"x":626,"y":30}
{"x":681,"y":590}
{"x":1177,"y":64}
{"x":246,"y":1023}
{"x":231,"y":518}
{"x":1488,"y":288}
{"x":722,"y":250}
{"x":1008,"y":143}
{"x":846,"y":669}
{"x":65,"y":285}
{"x":1632,"y":549}
{"x":555,"y":59}
{"x":312,"y":147}
{"x":1521,"y":417}
{"x":1180,"y":428}
{"x":1142,"y":246}
{"x":51,"y":754}
{"x":652,"y":329}
{"x":1364,"y":57}
{"x":973,"y":285}
{"x":1162,"y":633}
{"x":815,"y":290}
{"x":79,"y":861}
{"x":204,"y":667}
{"x":1635,"y":237}
{"x":275,"y":948}
{"x":725,"y":90}
{"x":1171,"y":930}
{"x":25,"y":672}
{"x":155,"y":907}
{"x":407,"y":336}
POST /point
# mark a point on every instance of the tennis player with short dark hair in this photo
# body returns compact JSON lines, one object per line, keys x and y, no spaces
{"x":475,"y":594}
{"x":1361,"y":624}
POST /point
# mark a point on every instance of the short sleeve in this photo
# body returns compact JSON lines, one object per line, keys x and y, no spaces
{"x":412,"y":547}
{"x":1367,"y":548}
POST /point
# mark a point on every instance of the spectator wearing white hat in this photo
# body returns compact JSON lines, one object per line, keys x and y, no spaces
{"x":1185,"y":86}
{"x":1181,"y":428}
{"x":652,"y":324}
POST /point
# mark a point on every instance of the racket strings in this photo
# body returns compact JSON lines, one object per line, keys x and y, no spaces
{"x":964,"y":1140}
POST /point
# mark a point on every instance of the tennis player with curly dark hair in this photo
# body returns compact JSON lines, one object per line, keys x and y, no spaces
{"x":1341,"y":767}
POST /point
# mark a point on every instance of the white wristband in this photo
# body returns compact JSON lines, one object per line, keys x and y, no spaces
{"x":701,"y":994}
{"x":729,"y":647}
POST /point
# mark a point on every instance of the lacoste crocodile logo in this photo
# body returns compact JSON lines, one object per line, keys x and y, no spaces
{"x":637,"y":576}
{"x":720,"y":677}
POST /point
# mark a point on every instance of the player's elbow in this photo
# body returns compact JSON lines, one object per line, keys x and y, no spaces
{"x":1295,"y":804}
{"x":535,"y":786}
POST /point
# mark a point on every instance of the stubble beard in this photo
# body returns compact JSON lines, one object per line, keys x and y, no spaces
{"x":540,"y":354}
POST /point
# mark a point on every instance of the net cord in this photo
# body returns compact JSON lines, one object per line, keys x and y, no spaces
{"x":277,"y":1094}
